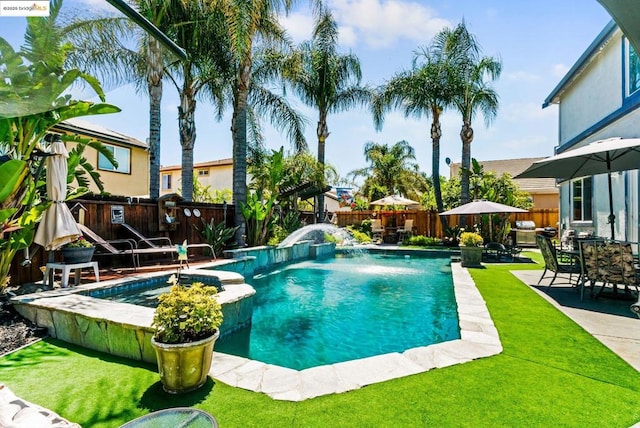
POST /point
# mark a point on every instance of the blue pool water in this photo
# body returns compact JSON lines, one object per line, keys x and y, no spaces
{"x":323,"y":312}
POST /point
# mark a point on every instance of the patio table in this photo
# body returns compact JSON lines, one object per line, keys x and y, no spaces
{"x":66,"y":269}
{"x":176,"y":417}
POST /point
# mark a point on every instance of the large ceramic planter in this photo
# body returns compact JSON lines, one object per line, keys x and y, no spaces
{"x":471,"y":256}
{"x":184,"y":367}
{"x":77,"y":254}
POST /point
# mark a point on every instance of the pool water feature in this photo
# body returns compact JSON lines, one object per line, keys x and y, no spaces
{"x":323,"y":312}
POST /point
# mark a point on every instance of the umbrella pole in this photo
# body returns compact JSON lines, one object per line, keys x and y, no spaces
{"x":612,"y":217}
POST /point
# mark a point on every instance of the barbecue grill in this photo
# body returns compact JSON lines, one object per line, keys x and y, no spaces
{"x":525,"y":233}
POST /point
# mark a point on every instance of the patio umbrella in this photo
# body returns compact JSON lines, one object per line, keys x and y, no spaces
{"x":482,"y":206}
{"x":626,"y":14}
{"x":57,"y":227}
{"x":599,"y":157}
{"x":394,"y":200}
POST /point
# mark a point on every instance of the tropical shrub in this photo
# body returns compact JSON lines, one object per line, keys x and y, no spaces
{"x":187,"y":314}
{"x":216,"y":235}
{"x":422,"y":241}
{"x":360,"y":237}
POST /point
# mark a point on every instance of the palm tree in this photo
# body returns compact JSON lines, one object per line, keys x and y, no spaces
{"x":474,"y":73}
{"x":244,"y":22}
{"x":327,"y":81}
{"x":391,"y":170}
{"x":427,"y":89}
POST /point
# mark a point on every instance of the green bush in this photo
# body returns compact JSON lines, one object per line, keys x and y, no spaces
{"x":422,"y":241}
{"x":186,"y":314}
{"x":215,"y":235}
{"x":360,"y":237}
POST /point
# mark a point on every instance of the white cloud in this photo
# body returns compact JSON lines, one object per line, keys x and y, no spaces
{"x":559,"y":70}
{"x":382,"y":23}
{"x":522,"y":76}
{"x":299,"y":26}
{"x":524,"y":112}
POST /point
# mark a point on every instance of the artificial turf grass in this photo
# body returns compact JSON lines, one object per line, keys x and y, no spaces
{"x":551,"y":373}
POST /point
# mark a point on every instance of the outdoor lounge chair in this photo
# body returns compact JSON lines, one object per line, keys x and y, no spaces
{"x":122,"y":247}
{"x":161,"y":242}
{"x":551,"y":262}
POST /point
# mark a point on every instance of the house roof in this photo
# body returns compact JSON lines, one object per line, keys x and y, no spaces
{"x":585,"y":59}
{"x":208,"y":164}
{"x":514,"y":167}
{"x":78,"y":126}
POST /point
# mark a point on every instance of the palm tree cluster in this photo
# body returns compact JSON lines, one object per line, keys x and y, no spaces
{"x":450,"y":73}
{"x":237,"y":52}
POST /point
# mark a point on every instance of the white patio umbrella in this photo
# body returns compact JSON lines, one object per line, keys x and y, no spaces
{"x":57,"y":227}
{"x":394,"y":200}
{"x":482,"y":206}
{"x":599,"y":157}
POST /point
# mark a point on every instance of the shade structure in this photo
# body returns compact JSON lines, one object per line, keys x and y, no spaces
{"x":598,"y":157}
{"x":626,"y":13}
{"x":57,"y":227}
{"x":394,"y":200}
{"x":481,"y":206}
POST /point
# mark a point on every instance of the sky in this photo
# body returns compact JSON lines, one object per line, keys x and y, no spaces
{"x":537,"y":42}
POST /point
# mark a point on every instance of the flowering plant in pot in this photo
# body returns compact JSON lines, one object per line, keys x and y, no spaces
{"x":186,"y":323}
{"x":470,"y":249}
{"x":78,"y":251}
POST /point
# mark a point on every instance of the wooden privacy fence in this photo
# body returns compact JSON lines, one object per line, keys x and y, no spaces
{"x":426,"y":222}
{"x":142,"y":214}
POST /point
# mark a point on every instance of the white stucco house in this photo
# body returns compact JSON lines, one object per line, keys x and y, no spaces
{"x":600,"y":98}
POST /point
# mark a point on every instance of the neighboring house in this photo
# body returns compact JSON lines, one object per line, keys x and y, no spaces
{"x":131,"y":176}
{"x":218,"y":174}
{"x":543,"y":191}
{"x":599,"y":98}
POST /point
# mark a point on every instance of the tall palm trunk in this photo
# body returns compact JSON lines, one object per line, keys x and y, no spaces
{"x":466,"y":135}
{"x":187,"y":128}
{"x":154,"y":84}
{"x":239,"y":134}
{"x":322,"y":132}
{"x":436,"y":134}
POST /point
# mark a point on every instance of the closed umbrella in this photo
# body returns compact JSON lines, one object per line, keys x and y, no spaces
{"x":482,"y":206}
{"x":599,"y":157}
{"x":57,"y":227}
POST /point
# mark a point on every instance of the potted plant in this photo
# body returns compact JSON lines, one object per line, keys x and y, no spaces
{"x":470,"y":249}
{"x":78,"y":251}
{"x":186,"y":323}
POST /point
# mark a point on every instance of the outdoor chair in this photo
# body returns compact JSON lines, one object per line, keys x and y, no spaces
{"x":406,"y":230}
{"x":122,"y":247}
{"x":552,"y":264}
{"x":376,"y":230}
{"x":143,"y":241}
{"x":161,"y":242}
{"x":495,"y":251}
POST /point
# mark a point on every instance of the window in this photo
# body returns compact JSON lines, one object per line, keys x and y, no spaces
{"x":582,"y":192}
{"x":122,"y":156}
{"x":203,"y":172}
{"x":166,"y":181}
{"x":632,"y":70}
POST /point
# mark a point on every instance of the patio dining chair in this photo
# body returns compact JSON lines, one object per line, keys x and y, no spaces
{"x":495,"y":251}
{"x":551,"y":262}
{"x":406,"y":230}
{"x":376,"y":229}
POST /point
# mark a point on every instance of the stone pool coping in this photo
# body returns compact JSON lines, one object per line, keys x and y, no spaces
{"x":478,"y":339}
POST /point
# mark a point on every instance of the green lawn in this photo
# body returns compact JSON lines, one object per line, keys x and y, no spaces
{"x":551,"y":373}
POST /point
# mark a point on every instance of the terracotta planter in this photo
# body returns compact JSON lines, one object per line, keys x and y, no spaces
{"x":471,"y":256}
{"x":184,"y":367}
{"x":77,"y":254}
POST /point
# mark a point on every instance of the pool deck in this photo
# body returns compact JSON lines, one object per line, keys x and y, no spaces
{"x":479,"y":339}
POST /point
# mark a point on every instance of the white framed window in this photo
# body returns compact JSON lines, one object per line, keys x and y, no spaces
{"x":632,"y":70}
{"x":166,"y":181}
{"x":122,"y":156}
{"x":202,"y":172}
{"x":581,"y":199}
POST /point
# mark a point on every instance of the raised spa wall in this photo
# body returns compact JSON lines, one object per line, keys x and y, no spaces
{"x":125,"y":330}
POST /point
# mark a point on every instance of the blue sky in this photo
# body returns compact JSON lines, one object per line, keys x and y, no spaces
{"x":537,"y":41}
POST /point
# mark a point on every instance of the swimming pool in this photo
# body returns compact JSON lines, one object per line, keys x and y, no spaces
{"x":323,"y":312}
